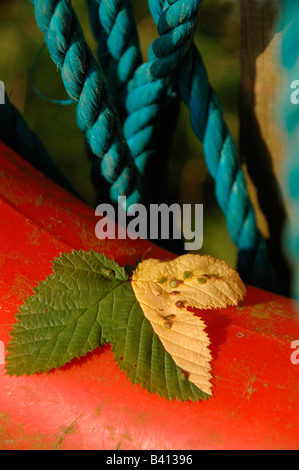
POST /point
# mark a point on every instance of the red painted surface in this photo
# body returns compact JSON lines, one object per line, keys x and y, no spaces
{"x":90,"y":404}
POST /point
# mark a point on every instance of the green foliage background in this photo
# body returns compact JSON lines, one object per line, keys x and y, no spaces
{"x":218,"y":39}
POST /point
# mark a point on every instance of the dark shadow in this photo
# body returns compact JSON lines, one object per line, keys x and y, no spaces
{"x":216,"y":325}
{"x":252,"y":145}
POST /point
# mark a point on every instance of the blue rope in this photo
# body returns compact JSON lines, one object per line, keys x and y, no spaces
{"x":154,"y":83}
{"x":151,"y":91}
{"x":221,"y":157}
{"x":114,"y":27}
{"x":15,"y":132}
{"x":290,"y":122}
{"x":96,"y":116}
{"x":224,"y":166}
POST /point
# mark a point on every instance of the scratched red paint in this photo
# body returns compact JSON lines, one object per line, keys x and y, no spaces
{"x":90,"y":404}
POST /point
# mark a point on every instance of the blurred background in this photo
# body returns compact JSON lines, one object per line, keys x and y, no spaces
{"x":218,"y":39}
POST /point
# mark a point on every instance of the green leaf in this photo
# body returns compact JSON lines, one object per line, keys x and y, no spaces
{"x":86,"y":302}
{"x":61,"y":321}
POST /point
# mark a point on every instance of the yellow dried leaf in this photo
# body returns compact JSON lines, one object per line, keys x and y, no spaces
{"x":165,"y":289}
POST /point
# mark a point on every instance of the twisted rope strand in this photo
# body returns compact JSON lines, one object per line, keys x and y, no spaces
{"x":119,"y":53}
{"x":153,"y":84}
{"x":223,"y":164}
{"x":96,"y":116}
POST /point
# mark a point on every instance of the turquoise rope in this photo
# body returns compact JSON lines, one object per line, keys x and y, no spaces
{"x":290,"y":122}
{"x":223,"y":164}
{"x":151,"y":92}
{"x":222,"y":161}
{"x":154,"y":83}
{"x":114,"y":27}
{"x":96,"y":115}
{"x":15,"y":132}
